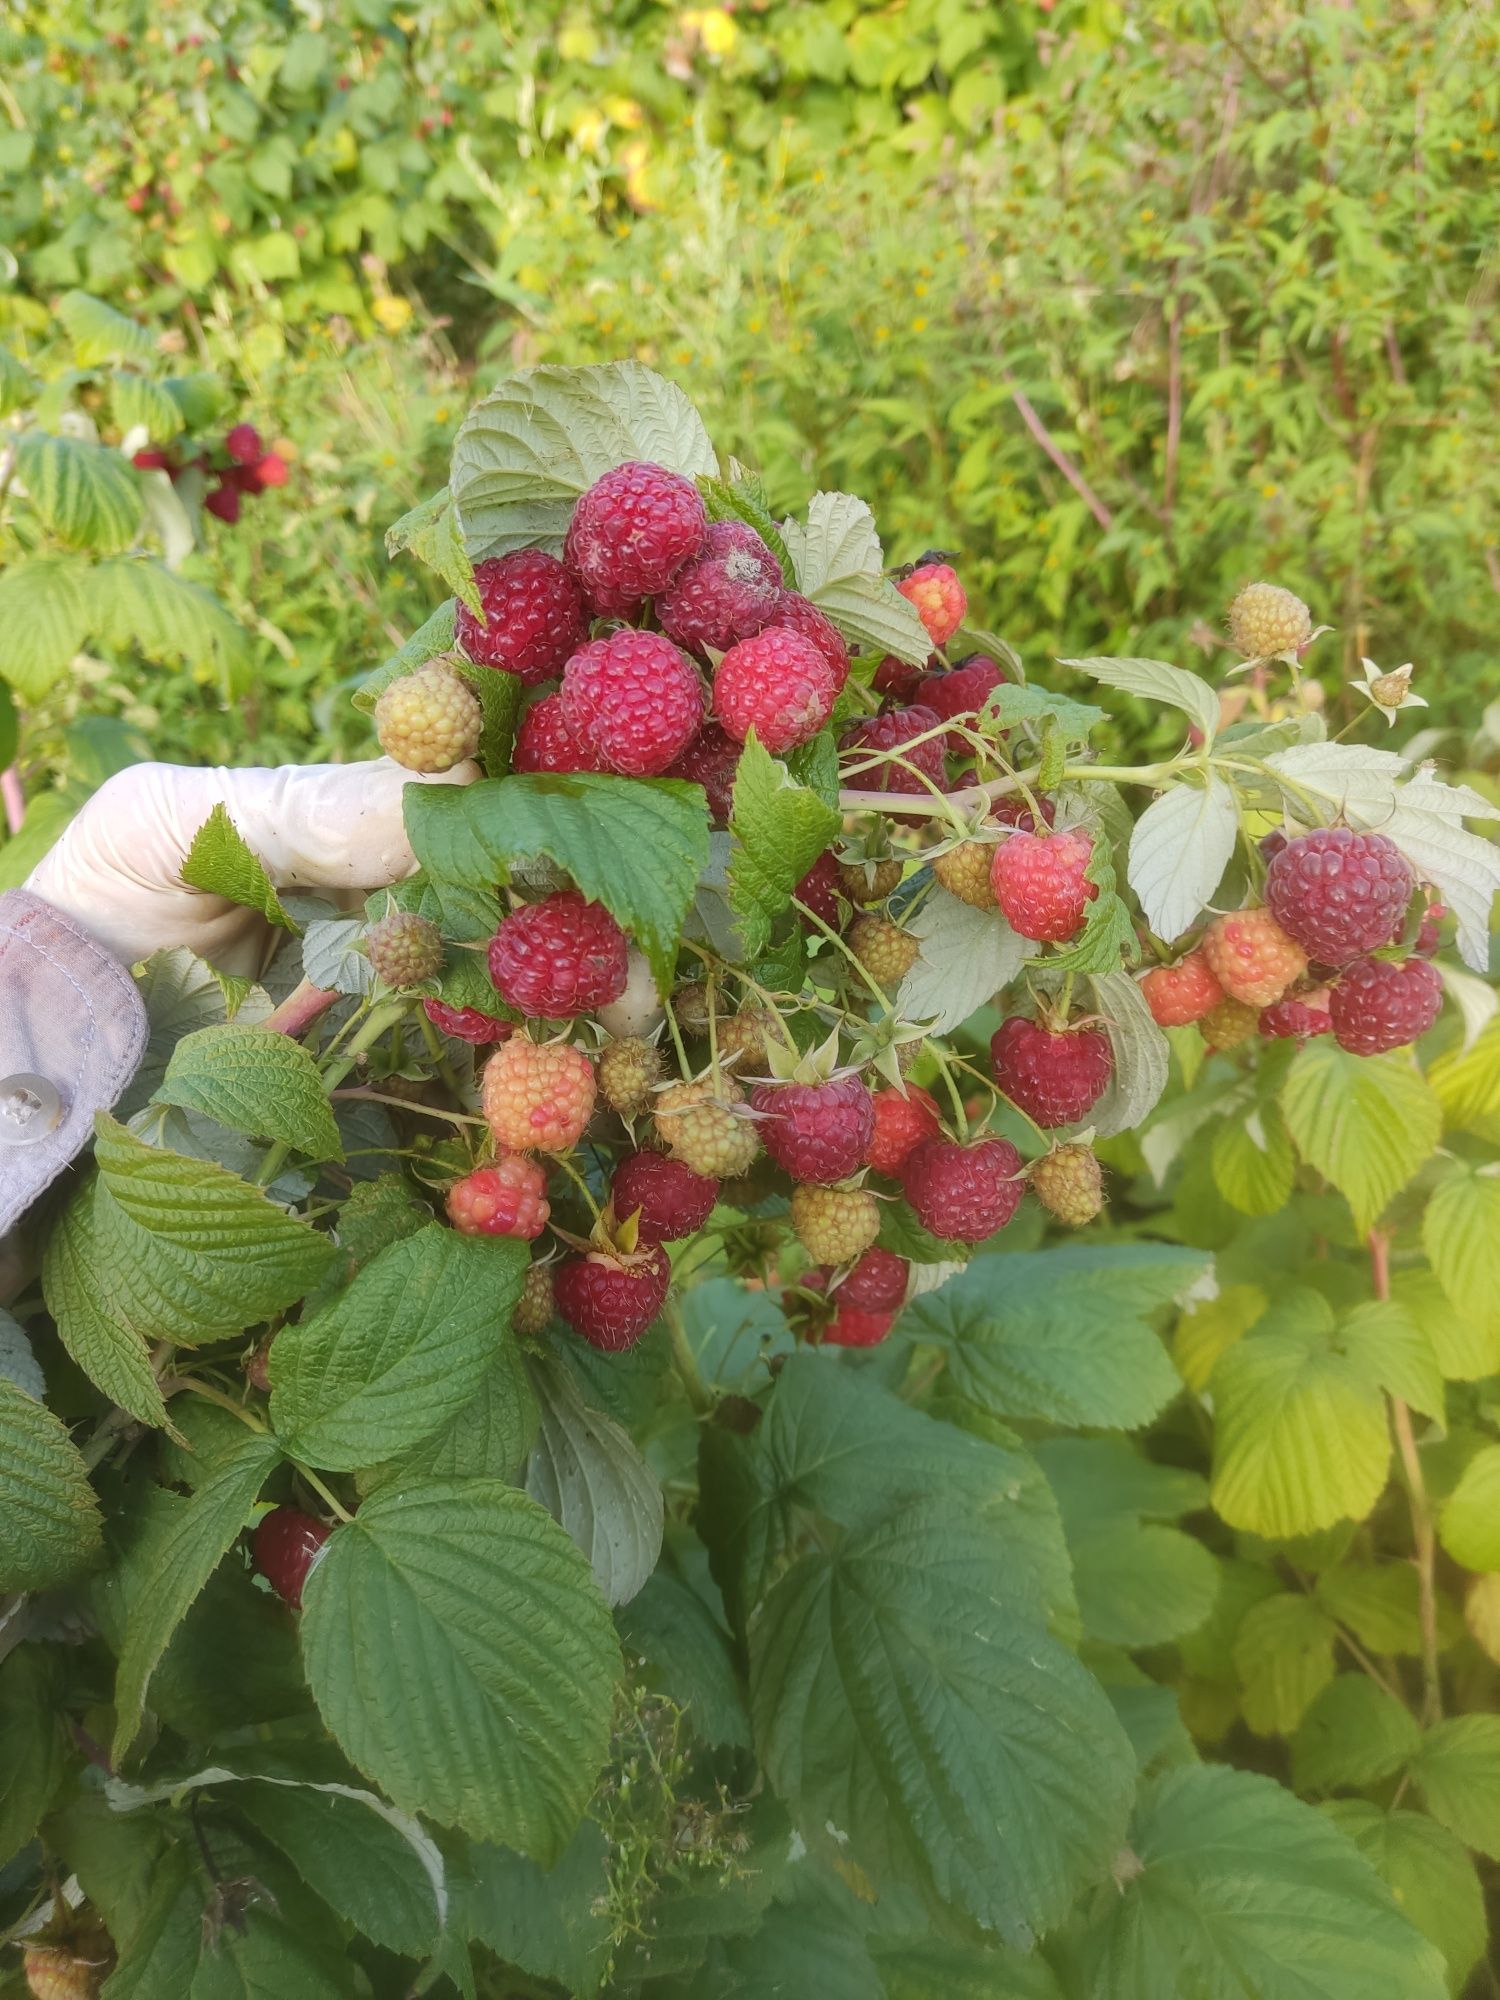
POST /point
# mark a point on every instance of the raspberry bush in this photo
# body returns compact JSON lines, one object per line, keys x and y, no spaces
{"x":849,"y":1348}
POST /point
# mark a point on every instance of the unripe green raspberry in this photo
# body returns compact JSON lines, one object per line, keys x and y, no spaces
{"x":405,"y":948}
{"x":965,"y":872}
{"x":703,"y":1126}
{"x":429,"y":720}
{"x":690,"y":1006}
{"x":885,"y":951}
{"x":869,"y":881}
{"x":1229,"y":1024}
{"x":534,"y":1309}
{"x":834,"y":1225}
{"x":747,"y":1035}
{"x":629,"y":1070}
{"x":1069,"y":1184}
{"x":1265,"y":620}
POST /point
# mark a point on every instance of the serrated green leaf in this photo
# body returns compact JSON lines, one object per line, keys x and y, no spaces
{"x":907,"y":1706}
{"x":16,"y":385}
{"x":1469,"y":1525}
{"x":1179,"y":850}
{"x":1210,"y":1328}
{"x":1142,"y":1055}
{"x":1466,"y":1349}
{"x":397,"y":1353}
{"x":49,"y":1518}
{"x":489,"y":1437}
{"x":550,"y":1922}
{"x":461,"y":1654}
{"x":538,"y":440}
{"x":45,"y":612}
{"x":1458,"y":1771}
{"x":33,"y":1751}
{"x":431,"y":532}
{"x":1353,"y":1733}
{"x":142,"y":608}
{"x":1392,"y":1348}
{"x":1300,"y":1436}
{"x":141,"y":404}
{"x":1059,"y":1335}
{"x":1243,"y":1890}
{"x":222,"y":864}
{"x":668,"y":1625}
{"x":1430,"y":1875}
{"x":586,"y":1471}
{"x":1283,"y":1654}
{"x":1013,"y":702}
{"x":82,"y":492}
{"x":600,"y":829}
{"x":1253,"y":1162}
{"x":737,"y":500}
{"x":255,"y":1081}
{"x":929,"y":1969}
{"x":836,"y":554}
{"x":1366,"y":1123}
{"x":1154,"y":680}
{"x":780,"y":828}
{"x":1380,"y":1605}
{"x":182,"y":1559}
{"x":1461,"y":1235}
{"x":434,"y":636}
{"x":966,"y":957}
{"x":99,"y":333}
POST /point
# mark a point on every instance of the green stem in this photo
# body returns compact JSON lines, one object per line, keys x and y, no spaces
{"x":685,"y":1361}
{"x":212,"y":1395}
{"x":440,"y":1061}
{"x":334,"y":1505}
{"x":377,"y":1022}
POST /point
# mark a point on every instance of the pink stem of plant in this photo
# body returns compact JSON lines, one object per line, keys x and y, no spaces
{"x":15,"y":799}
{"x":301,"y":1007}
{"x":1060,"y":458}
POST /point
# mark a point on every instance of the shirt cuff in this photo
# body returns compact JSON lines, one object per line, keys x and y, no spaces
{"x":72,"y":1033}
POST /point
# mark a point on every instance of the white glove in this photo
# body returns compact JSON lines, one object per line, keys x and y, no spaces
{"x":116,"y":871}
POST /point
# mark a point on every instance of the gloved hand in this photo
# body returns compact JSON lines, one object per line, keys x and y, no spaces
{"x":116,"y":871}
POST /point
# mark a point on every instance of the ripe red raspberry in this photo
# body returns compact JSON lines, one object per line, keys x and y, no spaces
{"x":964,"y":871}
{"x":634,"y":700}
{"x":1054,"y":1078}
{"x":819,"y":890}
{"x":537,"y":1095}
{"x":1069,"y":1184}
{"x":852,"y":1326}
{"x":467,"y":1024}
{"x":284,"y":1547}
{"x":629,"y":1070}
{"x":1252,"y":957}
{"x":429,"y":720}
{"x":634,"y":529}
{"x":727,"y":592}
{"x":963,"y":1193}
{"x":1297,"y":1016}
{"x":673,"y":1201}
{"x":1180,"y":994}
{"x":405,"y":948}
{"x":895,"y":734}
{"x":557,"y":957}
{"x":244,"y":445}
{"x":960,"y":693}
{"x":777,"y":684}
{"x":898,"y":680}
{"x":710,"y":760}
{"x":816,"y":1131}
{"x":796,"y":613}
{"x":877,"y":1283}
{"x":545,"y":742}
{"x":507,"y":1199}
{"x":704,"y":1126}
{"x":903,"y":1119}
{"x":1379,"y":1005}
{"x":534,"y":616}
{"x":834,"y":1225}
{"x":223,"y":502}
{"x":1339,"y":893}
{"x":1430,"y":930}
{"x":610,"y":1301}
{"x":1038,"y":880}
{"x":534,"y":1308}
{"x":886,"y":952}
{"x":937,"y":596}
{"x":272,"y":470}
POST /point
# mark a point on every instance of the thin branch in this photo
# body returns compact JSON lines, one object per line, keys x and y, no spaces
{"x":1424,"y":1538}
{"x":1057,"y":455}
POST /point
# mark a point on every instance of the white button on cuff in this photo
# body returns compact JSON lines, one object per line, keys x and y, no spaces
{"x":30,"y":1108}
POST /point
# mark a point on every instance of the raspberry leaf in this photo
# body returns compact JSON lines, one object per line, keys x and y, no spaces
{"x":1366,"y":1123}
{"x":739,"y":500}
{"x":1284,"y":1657}
{"x":585,"y":1470}
{"x":668,"y":1624}
{"x":49,"y":1518}
{"x":1461,"y":1234}
{"x":1059,"y":1335}
{"x":1458,"y":1770}
{"x":918,"y":1617}
{"x":33,"y":1750}
{"x":1141,"y":1055}
{"x":636,"y":847}
{"x":1180,"y":847}
{"x":221,"y":863}
{"x":142,"y":607}
{"x":967,"y":956}
{"x":434,"y":636}
{"x":1469,"y":1528}
{"x":398,"y":1353}
{"x":45,"y":612}
{"x":139,"y":404}
{"x":254,"y":1081}
{"x":99,"y":333}
{"x":1353,"y":1733}
{"x":1429,"y":1872}
{"x":1233,"y":1885}
{"x":431,"y":532}
{"x":1154,"y":680}
{"x":84,"y":494}
{"x":780,"y":827}
{"x":525,"y":452}
{"x":459,"y":1650}
{"x":836,"y":554}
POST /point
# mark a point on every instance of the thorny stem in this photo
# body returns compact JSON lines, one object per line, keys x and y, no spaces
{"x":1424,"y":1537}
{"x":684,"y":1360}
